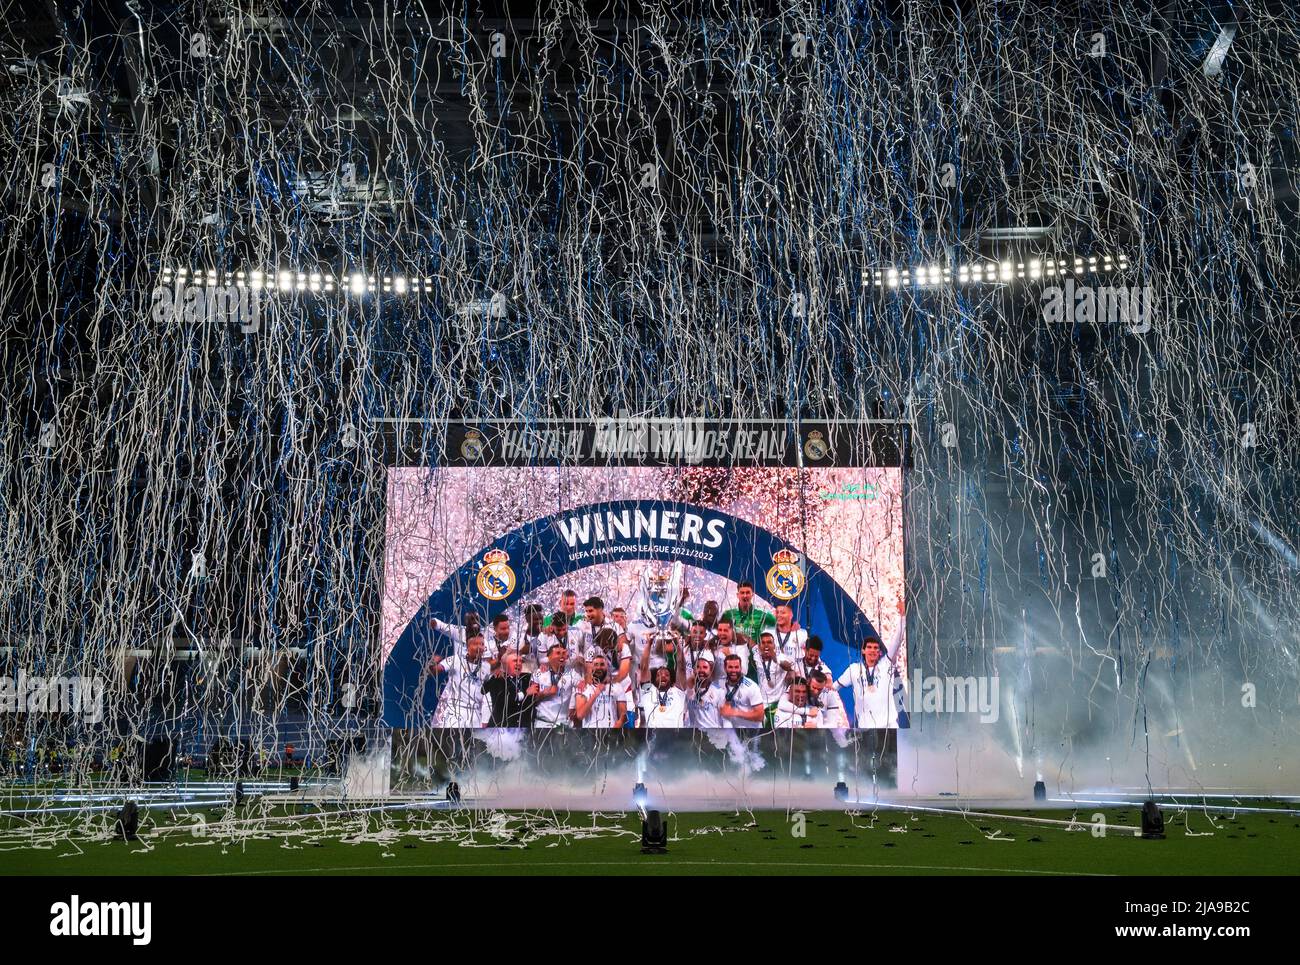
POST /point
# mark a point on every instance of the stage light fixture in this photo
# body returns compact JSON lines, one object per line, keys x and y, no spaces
{"x":841,"y":791}
{"x":654,"y":834}
{"x":453,"y":793}
{"x":128,"y":822}
{"x":1153,"y":822}
{"x":1040,"y":791}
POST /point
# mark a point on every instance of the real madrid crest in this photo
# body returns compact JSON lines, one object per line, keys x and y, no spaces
{"x":785,"y":579}
{"x":474,"y":445}
{"x":816,"y":447}
{"x":496,"y":580}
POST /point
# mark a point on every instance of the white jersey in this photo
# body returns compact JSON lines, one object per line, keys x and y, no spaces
{"x":773,"y":679}
{"x":639,"y":636}
{"x":692,"y":654}
{"x":789,"y":643}
{"x":801,"y":669}
{"x":554,"y":711}
{"x":582,"y":634}
{"x":536,"y":648}
{"x":788,"y":715}
{"x":833,"y":712}
{"x":874,"y":703}
{"x":740,"y":650}
{"x":744,"y":695}
{"x":591,"y":650}
{"x":666,"y":709}
{"x":702,"y":707}
{"x":493,"y":648}
{"x":461,"y":703}
{"x":604,"y":712}
{"x":457,"y":635}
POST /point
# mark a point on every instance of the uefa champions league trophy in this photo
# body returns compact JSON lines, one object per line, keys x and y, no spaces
{"x":662,"y":595}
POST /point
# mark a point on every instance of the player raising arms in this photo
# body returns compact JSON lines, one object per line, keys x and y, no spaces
{"x":471,"y":627}
{"x":461,"y":703}
{"x":662,"y":703}
{"x":874,"y":680}
{"x":605,"y":642}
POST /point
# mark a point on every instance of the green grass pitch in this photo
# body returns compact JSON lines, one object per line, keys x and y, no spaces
{"x":883,"y":842}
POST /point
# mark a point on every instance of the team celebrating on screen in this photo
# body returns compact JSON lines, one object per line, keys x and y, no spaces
{"x":746,"y":668}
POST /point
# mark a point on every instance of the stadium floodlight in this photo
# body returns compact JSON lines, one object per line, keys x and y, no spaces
{"x":357,"y":284}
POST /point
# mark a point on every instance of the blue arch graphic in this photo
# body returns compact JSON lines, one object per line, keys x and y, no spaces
{"x":551,"y":547}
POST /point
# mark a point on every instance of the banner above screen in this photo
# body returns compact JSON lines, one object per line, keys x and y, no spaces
{"x":645,"y":442}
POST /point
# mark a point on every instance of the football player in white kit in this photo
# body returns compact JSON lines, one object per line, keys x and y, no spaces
{"x":498,"y":637}
{"x":874,"y":679}
{"x":639,"y":633}
{"x":592,"y":622}
{"x":789,"y":640}
{"x":662,"y":704}
{"x":701,"y":702}
{"x":558,"y":685}
{"x":793,"y":709}
{"x":774,"y":671}
{"x":532,"y":641}
{"x":739,"y":701}
{"x":601,"y":703}
{"x":605,"y":642}
{"x":822,"y":694}
{"x":731,"y":642}
{"x":812,"y":659}
{"x":558,"y":631}
{"x":461,"y":702}
{"x":459,"y":634}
